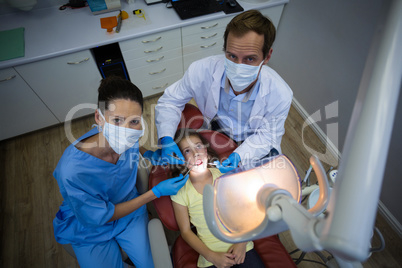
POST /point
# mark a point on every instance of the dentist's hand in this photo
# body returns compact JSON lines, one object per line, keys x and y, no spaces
{"x":154,"y":157}
{"x":169,"y":148}
{"x":229,"y":164}
{"x":170,"y":186}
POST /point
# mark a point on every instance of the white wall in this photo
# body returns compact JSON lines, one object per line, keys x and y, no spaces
{"x":320,"y":50}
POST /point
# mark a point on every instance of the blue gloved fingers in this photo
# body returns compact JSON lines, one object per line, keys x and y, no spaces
{"x":148,"y":154}
{"x":218,"y":164}
{"x":170,"y":186}
{"x":229,"y":164}
{"x":180,"y":183}
{"x":154,"y":157}
{"x":222,"y":168}
{"x":173,"y":155}
{"x":177,"y":183}
{"x":233,"y":160}
{"x":156,"y":192}
{"x":170,"y":150}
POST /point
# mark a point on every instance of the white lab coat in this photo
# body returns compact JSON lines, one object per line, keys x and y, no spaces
{"x":202,"y":82}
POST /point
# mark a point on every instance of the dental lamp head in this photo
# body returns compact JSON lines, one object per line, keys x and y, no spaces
{"x":241,"y":204}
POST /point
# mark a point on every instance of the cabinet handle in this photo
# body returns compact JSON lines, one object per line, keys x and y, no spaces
{"x":150,"y":51}
{"x":150,"y":41}
{"x":155,"y":59}
{"x":8,"y":78}
{"x":165,"y":85}
{"x":77,"y":62}
{"x":207,"y":37}
{"x":161,"y":71}
{"x":209,"y":27}
{"x":208,"y":46}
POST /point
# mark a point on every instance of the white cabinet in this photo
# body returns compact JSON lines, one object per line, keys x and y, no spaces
{"x":154,"y":61}
{"x":65,"y":84}
{"x":21,"y":109}
{"x":58,"y":89}
{"x":203,"y":39}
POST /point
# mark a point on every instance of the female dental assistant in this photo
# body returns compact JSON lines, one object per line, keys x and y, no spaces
{"x":102,"y":209}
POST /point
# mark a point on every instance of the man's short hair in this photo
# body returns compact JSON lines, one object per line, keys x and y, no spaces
{"x":252,"y":20}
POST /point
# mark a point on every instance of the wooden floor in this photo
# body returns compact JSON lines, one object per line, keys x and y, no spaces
{"x":29,"y":195}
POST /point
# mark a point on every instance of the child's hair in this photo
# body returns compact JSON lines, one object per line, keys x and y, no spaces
{"x":183,"y":133}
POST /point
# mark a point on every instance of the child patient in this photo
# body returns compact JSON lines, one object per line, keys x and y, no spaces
{"x":188,"y":209}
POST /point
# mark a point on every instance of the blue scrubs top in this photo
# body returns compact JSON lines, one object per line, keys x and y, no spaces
{"x":91,"y":187}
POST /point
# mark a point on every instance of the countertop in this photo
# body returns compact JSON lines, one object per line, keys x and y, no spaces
{"x":51,"y":32}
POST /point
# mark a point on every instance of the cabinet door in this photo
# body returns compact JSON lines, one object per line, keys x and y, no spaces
{"x":154,"y":61}
{"x":21,"y":110}
{"x":66,"y":84}
{"x":156,"y":86}
{"x":203,"y":39}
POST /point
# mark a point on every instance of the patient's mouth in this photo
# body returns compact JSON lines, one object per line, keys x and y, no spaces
{"x":198,"y":162}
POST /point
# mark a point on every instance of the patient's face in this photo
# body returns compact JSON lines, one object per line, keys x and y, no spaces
{"x":194,"y":152}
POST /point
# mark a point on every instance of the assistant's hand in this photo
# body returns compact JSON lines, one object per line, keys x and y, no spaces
{"x":229,"y":164}
{"x":170,"y":186}
{"x":154,"y":157}
{"x":169,"y":148}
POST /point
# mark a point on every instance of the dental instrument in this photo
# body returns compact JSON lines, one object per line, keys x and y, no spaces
{"x":178,"y":158}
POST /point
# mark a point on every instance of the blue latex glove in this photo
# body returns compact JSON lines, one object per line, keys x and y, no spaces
{"x":169,"y":148}
{"x":154,"y":157}
{"x":229,"y":164}
{"x":170,"y":186}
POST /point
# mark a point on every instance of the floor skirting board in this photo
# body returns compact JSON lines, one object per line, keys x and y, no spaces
{"x":392,"y":221}
{"x":320,"y":133}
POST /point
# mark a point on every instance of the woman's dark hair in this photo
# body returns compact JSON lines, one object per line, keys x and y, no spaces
{"x":115,"y":87}
{"x":183,"y":133}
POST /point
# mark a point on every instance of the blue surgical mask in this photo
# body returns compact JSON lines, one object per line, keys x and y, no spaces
{"x":121,"y":138}
{"x":241,"y":75}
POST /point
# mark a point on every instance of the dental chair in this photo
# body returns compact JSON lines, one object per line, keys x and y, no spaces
{"x":270,"y":249}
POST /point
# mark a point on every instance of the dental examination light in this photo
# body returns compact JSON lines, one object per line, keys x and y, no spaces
{"x":264,"y":200}
{"x":236,"y":208}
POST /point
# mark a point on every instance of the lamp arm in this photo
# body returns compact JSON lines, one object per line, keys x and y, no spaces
{"x":323,"y":185}
{"x":354,"y":199}
{"x":303,"y":226}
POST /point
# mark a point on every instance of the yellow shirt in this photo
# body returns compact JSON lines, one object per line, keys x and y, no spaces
{"x":189,"y":197}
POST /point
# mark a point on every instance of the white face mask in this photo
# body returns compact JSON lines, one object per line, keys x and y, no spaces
{"x":121,"y":138}
{"x":241,"y":75}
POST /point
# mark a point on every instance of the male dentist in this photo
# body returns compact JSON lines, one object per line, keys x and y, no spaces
{"x":237,"y":94}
